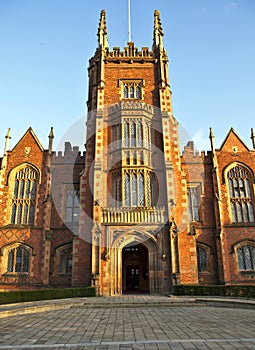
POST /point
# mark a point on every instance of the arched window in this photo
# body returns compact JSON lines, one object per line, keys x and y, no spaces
{"x":246,"y":257}
{"x":193,"y":204}
{"x":141,"y":190}
{"x":202,"y":259}
{"x":132,"y":90}
{"x":72,"y":209}
{"x":24,"y":196}
{"x":127,"y":190}
{"x":133,"y":134}
{"x":18,"y":259}
{"x":138,"y":92}
{"x":239,"y":185}
{"x":65,"y":260}
{"x":134,"y":191}
{"x":126,"y":134}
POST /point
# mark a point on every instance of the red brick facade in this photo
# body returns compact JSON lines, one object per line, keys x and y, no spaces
{"x":134,"y":214}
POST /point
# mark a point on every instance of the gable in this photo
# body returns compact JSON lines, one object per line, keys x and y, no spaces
{"x":233,"y":143}
{"x":28,"y":142}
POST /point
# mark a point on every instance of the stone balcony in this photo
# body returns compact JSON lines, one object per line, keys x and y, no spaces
{"x":133,"y":215}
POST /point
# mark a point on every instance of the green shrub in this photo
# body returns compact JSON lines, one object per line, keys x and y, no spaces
{"x":18,"y":296}
{"x":215,"y":290}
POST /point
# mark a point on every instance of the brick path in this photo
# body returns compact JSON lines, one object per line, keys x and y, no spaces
{"x":117,"y":323}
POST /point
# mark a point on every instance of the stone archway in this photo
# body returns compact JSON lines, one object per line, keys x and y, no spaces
{"x":127,"y":239}
{"x":135,"y":276}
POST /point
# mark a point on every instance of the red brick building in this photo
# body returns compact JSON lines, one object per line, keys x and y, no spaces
{"x":133,"y":214}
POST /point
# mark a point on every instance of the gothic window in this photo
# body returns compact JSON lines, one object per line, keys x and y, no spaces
{"x":72,"y":207}
{"x":148,"y":190}
{"x":239,"y":184}
{"x":116,"y":136}
{"x":139,"y":134}
{"x":18,"y":259}
{"x":134,"y":191}
{"x":246,"y":257}
{"x":24,"y":196}
{"x":132,"y":90}
{"x":133,"y":134}
{"x":202,"y":259}
{"x":126,"y":134}
{"x":141,"y":190}
{"x":193,"y":204}
{"x":127,"y":190}
{"x":65,"y":260}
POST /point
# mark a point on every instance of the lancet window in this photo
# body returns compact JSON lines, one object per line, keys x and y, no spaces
{"x":136,"y":134}
{"x":240,"y":193}
{"x":65,"y":260}
{"x":132,"y":90}
{"x":138,"y":189}
{"x":193,"y":204}
{"x":202,"y":259}
{"x":72,"y":208}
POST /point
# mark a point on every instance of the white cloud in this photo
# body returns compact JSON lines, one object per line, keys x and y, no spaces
{"x":201,"y":140}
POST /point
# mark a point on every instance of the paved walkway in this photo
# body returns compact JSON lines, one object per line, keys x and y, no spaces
{"x":129,"y":323}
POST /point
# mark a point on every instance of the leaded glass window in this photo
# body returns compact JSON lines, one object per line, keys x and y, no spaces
{"x":65,"y":260}
{"x":141,"y":190}
{"x":72,"y":208}
{"x":140,"y":134}
{"x":132,"y":90}
{"x":246,"y":257}
{"x":127,"y":190}
{"x":18,"y":260}
{"x":202,"y":259}
{"x":239,"y":185}
{"x":193,"y":206}
{"x":24,"y":196}
{"x":148,"y":190}
{"x":134,"y":191}
{"x":126,"y":134}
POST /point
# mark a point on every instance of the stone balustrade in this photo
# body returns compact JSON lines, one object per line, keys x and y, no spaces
{"x":130,"y":215}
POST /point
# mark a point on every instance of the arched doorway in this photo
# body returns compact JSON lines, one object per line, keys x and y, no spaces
{"x":135,"y":276}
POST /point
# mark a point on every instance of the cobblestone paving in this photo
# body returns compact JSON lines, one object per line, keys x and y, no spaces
{"x":143,"y":328}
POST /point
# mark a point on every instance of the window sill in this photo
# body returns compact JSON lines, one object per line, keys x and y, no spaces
{"x":241,"y":224}
{"x":15,"y":274}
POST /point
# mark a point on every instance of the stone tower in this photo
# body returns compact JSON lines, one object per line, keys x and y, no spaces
{"x":133,"y":190}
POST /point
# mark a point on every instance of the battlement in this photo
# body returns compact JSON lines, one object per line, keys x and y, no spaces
{"x":190,"y":154}
{"x":70,"y":153}
{"x":130,"y":51}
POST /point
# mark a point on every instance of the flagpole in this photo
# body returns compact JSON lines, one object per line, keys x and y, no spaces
{"x":129,"y":21}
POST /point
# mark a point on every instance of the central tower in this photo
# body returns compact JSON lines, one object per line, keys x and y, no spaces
{"x":132,"y":188}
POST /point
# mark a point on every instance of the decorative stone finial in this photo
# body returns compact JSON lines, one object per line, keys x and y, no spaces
{"x":211,"y":137}
{"x":51,"y":137}
{"x":102,"y":31}
{"x":158,"y":31}
{"x":7,"y":140}
{"x":253,"y":138}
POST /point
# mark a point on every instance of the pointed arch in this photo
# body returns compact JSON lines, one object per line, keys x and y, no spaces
{"x":239,"y":180}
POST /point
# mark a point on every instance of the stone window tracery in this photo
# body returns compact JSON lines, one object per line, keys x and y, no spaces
{"x":131,"y":90}
{"x":18,"y":259}
{"x":24,"y":196}
{"x":239,"y":185}
{"x":193,"y":203}
{"x":202,"y":257}
{"x":72,"y":204}
{"x":65,"y":260}
{"x":246,"y":257}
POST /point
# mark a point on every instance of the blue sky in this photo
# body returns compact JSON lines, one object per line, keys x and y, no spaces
{"x":46,"y":46}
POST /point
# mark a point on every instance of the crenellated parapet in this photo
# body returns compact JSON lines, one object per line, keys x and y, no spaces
{"x":70,"y":154}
